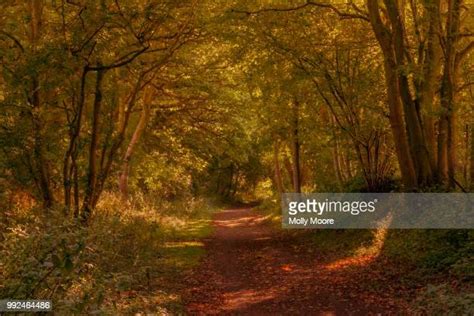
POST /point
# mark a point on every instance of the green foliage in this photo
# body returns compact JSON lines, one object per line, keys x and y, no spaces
{"x":146,"y":244}
{"x":232,"y":95}
{"x":443,"y":300}
{"x":343,"y":242}
{"x":271,"y":209}
{"x":358,"y":184}
{"x":432,"y":250}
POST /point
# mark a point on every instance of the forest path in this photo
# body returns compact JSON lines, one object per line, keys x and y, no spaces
{"x":252,"y":269}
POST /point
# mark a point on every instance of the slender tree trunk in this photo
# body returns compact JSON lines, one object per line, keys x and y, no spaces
{"x":431,"y":71}
{"x":466,"y":155}
{"x":276,"y":164}
{"x":447,"y":133}
{"x":76,"y":191}
{"x":289,"y":169}
{"x":108,"y":159}
{"x":41,"y":165}
{"x":443,"y":149}
{"x":70,"y":158}
{"x":471,"y":160}
{"x":336,"y":156}
{"x":229,"y":181}
{"x":348,"y":164}
{"x":337,"y":165}
{"x":88,"y":202}
{"x":296,"y":149}
{"x":145,"y":114}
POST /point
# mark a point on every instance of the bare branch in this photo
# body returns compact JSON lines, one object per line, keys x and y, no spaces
{"x":121,"y":61}
{"x":16,"y":41}
{"x":344,"y":15}
{"x":464,"y":52}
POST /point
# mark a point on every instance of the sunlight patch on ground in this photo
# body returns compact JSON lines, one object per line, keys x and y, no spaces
{"x":182,"y":244}
{"x":242,"y":221}
{"x":172,"y":221}
{"x":364,"y":255}
{"x":244,"y":298}
{"x":263,"y":238}
{"x":376,"y":246}
{"x":350,"y":262}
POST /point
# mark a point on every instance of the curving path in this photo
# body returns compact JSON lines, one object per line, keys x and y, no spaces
{"x":252,"y":269}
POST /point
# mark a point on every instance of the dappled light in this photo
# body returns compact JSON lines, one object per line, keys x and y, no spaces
{"x":183,"y":244}
{"x":234,"y":301}
{"x":364,"y":255}
{"x":163,"y":157}
{"x":240,"y":275}
{"x":350,"y":262}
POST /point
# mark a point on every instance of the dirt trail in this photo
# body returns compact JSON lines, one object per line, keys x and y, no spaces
{"x":251,"y":269}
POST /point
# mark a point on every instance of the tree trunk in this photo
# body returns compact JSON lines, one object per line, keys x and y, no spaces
{"x":70,"y":158}
{"x":296,"y":149}
{"x":289,"y":168}
{"x":447,"y":133}
{"x":402,"y":147}
{"x":466,"y":155}
{"x":471,"y":160}
{"x":431,"y":71}
{"x":416,"y":138}
{"x":348,"y":164}
{"x":88,"y":202}
{"x":41,"y":165}
{"x":276,"y":164}
{"x":145,"y":114}
{"x":336,"y":156}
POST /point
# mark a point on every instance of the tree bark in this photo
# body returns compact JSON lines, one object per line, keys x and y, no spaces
{"x":397,"y":124}
{"x":289,"y":169}
{"x":70,"y":158}
{"x":447,"y":132}
{"x":276,"y":165}
{"x":41,"y":165}
{"x":296,"y":149}
{"x":416,"y":138}
{"x":140,"y":128}
{"x":87,"y":205}
{"x":466,"y":155}
{"x":471,"y":160}
{"x":336,"y":155}
{"x":348,"y":165}
{"x":431,"y":71}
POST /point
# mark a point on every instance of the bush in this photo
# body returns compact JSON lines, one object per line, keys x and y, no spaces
{"x":126,"y":250}
{"x":432,"y":250}
{"x":443,"y":300}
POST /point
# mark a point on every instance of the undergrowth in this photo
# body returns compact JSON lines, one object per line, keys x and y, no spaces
{"x":438,"y":263}
{"x":130,"y":258}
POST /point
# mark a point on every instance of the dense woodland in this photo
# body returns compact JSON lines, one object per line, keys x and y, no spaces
{"x":124,"y":118}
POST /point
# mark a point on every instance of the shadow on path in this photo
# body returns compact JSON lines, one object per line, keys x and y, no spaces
{"x":251,"y":269}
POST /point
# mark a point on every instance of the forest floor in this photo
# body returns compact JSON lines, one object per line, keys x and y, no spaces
{"x":252,"y":268}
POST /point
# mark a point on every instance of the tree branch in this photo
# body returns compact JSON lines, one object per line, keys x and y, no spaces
{"x":16,"y":41}
{"x":342,"y":14}
{"x":121,"y":62}
{"x":463,"y":53}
